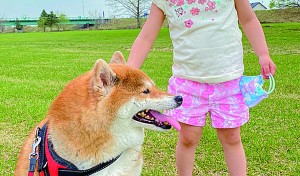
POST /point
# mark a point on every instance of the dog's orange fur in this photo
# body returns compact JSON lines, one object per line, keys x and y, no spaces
{"x":80,"y":117}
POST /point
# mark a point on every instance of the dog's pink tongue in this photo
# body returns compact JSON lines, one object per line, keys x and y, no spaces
{"x":165,"y":118}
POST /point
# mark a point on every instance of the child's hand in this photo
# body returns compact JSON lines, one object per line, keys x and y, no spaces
{"x":267,"y":66}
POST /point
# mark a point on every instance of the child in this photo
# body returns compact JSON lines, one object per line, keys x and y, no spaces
{"x":208,"y":64}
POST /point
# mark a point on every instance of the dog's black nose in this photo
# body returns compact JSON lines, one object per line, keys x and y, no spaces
{"x":178,"y":100}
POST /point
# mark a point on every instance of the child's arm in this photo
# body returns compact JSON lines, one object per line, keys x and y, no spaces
{"x":146,"y":37}
{"x":254,"y":33}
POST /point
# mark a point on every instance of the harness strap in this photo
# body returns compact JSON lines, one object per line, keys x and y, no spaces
{"x":48,"y":160}
{"x":42,"y":162}
{"x":64,"y":172}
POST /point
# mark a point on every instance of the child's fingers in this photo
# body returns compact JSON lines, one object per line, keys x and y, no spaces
{"x":267,"y":66}
{"x":268,"y":69}
{"x":265,"y":72}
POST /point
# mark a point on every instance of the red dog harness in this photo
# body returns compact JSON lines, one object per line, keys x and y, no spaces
{"x":51,"y":164}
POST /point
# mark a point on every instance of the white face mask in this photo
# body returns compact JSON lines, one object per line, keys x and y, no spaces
{"x":252,"y":89}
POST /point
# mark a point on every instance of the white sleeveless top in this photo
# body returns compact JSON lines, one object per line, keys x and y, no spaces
{"x":206,"y":39}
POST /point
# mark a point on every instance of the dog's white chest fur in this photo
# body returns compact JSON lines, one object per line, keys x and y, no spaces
{"x":127,"y":142}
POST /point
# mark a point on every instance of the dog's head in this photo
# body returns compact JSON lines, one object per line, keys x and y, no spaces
{"x":113,"y":94}
{"x":131,"y":94}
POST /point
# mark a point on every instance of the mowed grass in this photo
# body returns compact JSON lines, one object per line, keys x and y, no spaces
{"x":35,"y":67}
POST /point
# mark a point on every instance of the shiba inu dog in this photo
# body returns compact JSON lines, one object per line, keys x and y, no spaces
{"x":95,"y":125}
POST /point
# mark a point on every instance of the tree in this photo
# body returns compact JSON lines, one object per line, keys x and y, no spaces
{"x":19,"y":27}
{"x":2,"y":27}
{"x":43,"y":20}
{"x":280,"y":4}
{"x":132,"y":8}
{"x":62,"y":20}
{"x":52,"y":20}
{"x":46,"y":19}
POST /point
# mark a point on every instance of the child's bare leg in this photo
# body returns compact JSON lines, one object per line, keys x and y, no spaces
{"x":233,"y":150}
{"x":189,"y":137}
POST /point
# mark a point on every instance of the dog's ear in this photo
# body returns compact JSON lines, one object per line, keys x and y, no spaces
{"x":118,"y":58}
{"x":103,"y":78}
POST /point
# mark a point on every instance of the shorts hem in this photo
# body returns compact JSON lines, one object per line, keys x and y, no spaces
{"x":187,"y":123}
{"x":230,"y":126}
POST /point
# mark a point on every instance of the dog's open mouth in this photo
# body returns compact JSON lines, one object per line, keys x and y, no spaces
{"x":156,"y":118}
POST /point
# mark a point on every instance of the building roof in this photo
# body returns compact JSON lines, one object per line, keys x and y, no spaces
{"x":253,"y":4}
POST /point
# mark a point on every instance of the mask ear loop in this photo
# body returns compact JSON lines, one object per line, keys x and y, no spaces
{"x":272,"y":84}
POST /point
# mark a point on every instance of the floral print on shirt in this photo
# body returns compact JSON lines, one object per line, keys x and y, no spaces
{"x":188,"y":9}
{"x":188,"y":23}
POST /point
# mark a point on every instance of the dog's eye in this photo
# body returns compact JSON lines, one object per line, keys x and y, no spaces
{"x":147,"y":91}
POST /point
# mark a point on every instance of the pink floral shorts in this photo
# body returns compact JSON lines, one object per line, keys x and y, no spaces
{"x":223,"y":101}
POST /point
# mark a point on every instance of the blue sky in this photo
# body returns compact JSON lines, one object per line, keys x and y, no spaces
{"x":72,"y":8}
{"x":33,"y":8}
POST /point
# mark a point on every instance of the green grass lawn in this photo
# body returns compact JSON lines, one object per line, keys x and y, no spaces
{"x":34,"y":68}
